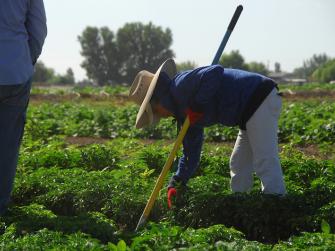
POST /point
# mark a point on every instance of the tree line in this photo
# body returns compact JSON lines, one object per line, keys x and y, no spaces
{"x":112,"y":58}
{"x":116,"y":58}
{"x":44,"y":74}
{"x":320,"y":68}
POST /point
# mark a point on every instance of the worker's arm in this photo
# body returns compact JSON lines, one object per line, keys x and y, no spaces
{"x":36,"y":28}
{"x":192,"y":145}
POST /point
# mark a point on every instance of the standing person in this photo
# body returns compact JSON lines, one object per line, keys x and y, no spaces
{"x":22,"y":33}
{"x":215,"y":95}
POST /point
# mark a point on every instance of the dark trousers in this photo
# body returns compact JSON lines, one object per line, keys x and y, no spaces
{"x":13,"y":105}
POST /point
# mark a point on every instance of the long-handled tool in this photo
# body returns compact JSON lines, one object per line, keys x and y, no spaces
{"x":181,"y":135}
{"x":230,"y":29}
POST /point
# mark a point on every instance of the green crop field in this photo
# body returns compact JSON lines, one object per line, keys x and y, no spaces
{"x":85,"y":174}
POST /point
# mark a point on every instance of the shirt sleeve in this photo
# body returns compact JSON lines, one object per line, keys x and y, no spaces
{"x":192,"y":146}
{"x":36,"y":27}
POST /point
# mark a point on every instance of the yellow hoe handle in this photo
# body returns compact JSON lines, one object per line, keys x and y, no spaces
{"x":166,"y":168}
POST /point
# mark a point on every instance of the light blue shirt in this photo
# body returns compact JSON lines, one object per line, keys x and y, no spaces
{"x":22,"y":33}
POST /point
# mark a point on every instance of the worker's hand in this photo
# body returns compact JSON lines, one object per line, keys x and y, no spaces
{"x":193,"y":116}
{"x":172,"y":192}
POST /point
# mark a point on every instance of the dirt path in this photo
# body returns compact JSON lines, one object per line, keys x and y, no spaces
{"x":311,"y":150}
{"x":117,"y":99}
{"x":82,"y":141}
{"x":314,"y":94}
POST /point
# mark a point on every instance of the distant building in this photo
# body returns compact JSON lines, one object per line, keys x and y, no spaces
{"x":297,"y":81}
{"x":286,"y":78}
{"x":279,"y":77}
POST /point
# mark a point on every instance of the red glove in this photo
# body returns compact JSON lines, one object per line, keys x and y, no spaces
{"x":193,"y":116}
{"x":172,"y":192}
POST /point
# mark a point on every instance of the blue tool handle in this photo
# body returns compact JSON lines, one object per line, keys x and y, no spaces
{"x":234,"y":19}
{"x":221,"y":48}
{"x":230,"y":29}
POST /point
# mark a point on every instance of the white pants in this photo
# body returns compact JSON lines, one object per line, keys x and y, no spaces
{"x":256,"y":150}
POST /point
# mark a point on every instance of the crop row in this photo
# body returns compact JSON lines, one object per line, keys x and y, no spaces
{"x":91,"y":195}
{"x":161,"y":236}
{"x":111,"y":90}
{"x":87,"y":90}
{"x":308,"y":122}
{"x":70,"y":197}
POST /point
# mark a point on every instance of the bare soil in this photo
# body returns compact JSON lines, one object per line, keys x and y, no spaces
{"x":314,"y":94}
{"x":310,"y":150}
{"x":117,"y":99}
{"x":122,"y":99}
{"x":82,"y":141}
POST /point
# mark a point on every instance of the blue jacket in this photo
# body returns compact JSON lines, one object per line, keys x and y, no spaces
{"x":223,"y":95}
{"x":22,"y":33}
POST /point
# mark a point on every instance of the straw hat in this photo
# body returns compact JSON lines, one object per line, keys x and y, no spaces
{"x":142,"y":89}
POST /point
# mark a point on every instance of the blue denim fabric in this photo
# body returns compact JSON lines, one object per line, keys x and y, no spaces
{"x":13,"y":105}
{"x":22,"y":33}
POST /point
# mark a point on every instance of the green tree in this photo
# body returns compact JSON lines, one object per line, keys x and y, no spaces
{"x":233,"y":60}
{"x":110,"y":59}
{"x":277,"y":67}
{"x":325,"y":73}
{"x":187,"y":65}
{"x":42,"y":73}
{"x":310,"y":65}
{"x":142,"y":47}
{"x":100,"y":55}
{"x":70,"y":76}
{"x":257,"y":67}
{"x":66,"y":79}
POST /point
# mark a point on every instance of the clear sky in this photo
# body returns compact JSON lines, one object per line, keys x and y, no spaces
{"x":268,"y":31}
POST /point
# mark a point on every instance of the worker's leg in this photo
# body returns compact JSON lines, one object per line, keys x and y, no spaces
{"x":262,"y":133}
{"x":241,"y":167}
{"x":13,"y":104}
